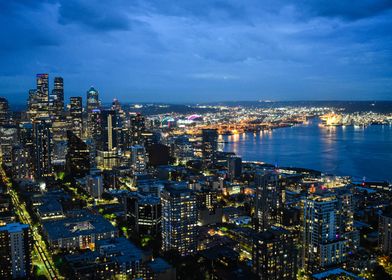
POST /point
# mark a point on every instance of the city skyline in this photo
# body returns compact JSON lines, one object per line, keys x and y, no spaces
{"x":189,"y":52}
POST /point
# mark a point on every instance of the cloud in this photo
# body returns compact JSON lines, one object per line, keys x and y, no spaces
{"x":162,"y":50}
{"x":348,"y":10}
{"x":97,"y":15}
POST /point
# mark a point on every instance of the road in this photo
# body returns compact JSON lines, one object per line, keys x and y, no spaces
{"x":39,"y":244}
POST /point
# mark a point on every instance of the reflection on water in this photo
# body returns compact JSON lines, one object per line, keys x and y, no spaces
{"x":355,"y":151}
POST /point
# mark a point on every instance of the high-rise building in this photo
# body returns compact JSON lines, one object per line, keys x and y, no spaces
{"x":144,"y":214}
{"x":268,"y":204}
{"x":136,"y":128}
{"x":76,"y":116}
{"x":38,"y":101}
{"x":42,"y":95}
{"x":56,"y":99}
{"x":42,"y":129}
{"x":78,"y":156}
{"x":93,"y":107}
{"x":4,"y":117}
{"x":209,"y":210}
{"x":95,"y":183}
{"x":385,"y":233}
{"x":138,"y":159}
{"x":22,"y":165}
{"x":179,"y":219}
{"x":107,"y":146}
{"x":209,"y":146}
{"x":94,"y":125}
{"x":122,"y":129}
{"x":26,"y":140}
{"x":8,"y":138}
{"x":93,"y":101}
{"x":324,"y":242}
{"x":15,"y":251}
{"x":234,"y":167}
{"x":274,"y":255}
{"x":109,"y":125}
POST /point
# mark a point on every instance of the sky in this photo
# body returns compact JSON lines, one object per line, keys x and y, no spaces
{"x":199,"y":51}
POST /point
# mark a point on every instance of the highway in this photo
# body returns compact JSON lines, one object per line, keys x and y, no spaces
{"x":39,"y":244}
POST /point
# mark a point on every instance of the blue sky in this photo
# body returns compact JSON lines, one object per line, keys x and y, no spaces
{"x":195,"y":51}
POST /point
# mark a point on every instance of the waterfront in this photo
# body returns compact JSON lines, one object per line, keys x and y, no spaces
{"x":349,"y":150}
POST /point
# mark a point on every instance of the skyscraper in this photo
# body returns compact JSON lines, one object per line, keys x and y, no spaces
{"x":78,"y":156}
{"x":268,"y":204}
{"x":274,"y":255}
{"x":42,"y":95}
{"x":93,"y":106}
{"x":325,"y":241}
{"x":138,"y":159}
{"x":76,"y":116}
{"x":234,"y":166}
{"x":93,"y":101}
{"x":43,"y":141}
{"x":4,"y":117}
{"x":56,"y":99}
{"x":179,"y":219}
{"x":136,"y":128}
{"x":385,"y":235}
{"x":15,"y":251}
{"x":109,"y":125}
{"x":209,"y":146}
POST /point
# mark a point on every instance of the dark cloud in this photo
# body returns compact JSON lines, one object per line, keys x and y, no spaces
{"x":165,"y":50}
{"x":102,"y":16}
{"x":349,"y":10}
{"x":211,"y":10}
{"x":23,"y":26}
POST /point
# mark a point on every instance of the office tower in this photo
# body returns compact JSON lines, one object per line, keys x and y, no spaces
{"x":93,"y":101}
{"x":4,"y":117}
{"x":274,"y":255}
{"x":121,"y":129}
{"x":385,"y":233}
{"x":56,"y":99}
{"x":32,"y":104}
{"x":78,"y":156}
{"x":107,"y":152}
{"x":268,"y":204}
{"x":323,"y":243}
{"x":93,"y":106}
{"x":179,"y":219}
{"x":209,"y":146}
{"x":144,"y":214}
{"x":138,"y":159}
{"x":42,"y":129}
{"x":109,"y":125}
{"x":182,"y":149}
{"x":136,"y":128}
{"x":234,"y":167}
{"x":42,"y":95}
{"x":94,"y":125}
{"x":76,"y":116}
{"x":15,"y":251}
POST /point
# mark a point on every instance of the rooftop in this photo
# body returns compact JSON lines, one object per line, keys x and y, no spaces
{"x":14,"y":227}
{"x":84,"y":223}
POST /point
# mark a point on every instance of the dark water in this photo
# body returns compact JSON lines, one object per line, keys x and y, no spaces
{"x":358,"y":152}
